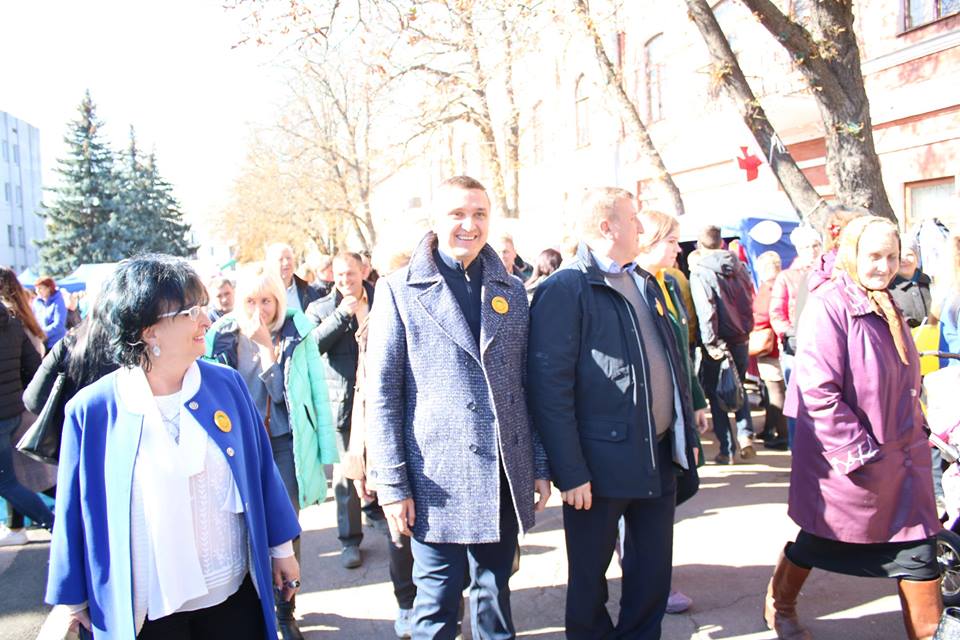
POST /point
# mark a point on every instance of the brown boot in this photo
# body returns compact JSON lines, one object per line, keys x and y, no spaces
{"x":922,"y":605}
{"x":780,"y":607}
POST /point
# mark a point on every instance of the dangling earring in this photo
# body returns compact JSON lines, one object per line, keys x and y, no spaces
{"x":156,"y":350}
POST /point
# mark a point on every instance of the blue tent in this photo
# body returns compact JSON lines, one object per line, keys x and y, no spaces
{"x":761,"y":234}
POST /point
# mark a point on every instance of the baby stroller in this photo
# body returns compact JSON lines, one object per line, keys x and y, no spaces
{"x":943,"y":420}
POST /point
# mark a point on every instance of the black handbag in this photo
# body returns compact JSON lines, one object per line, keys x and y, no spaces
{"x":729,"y":386}
{"x":42,"y":440}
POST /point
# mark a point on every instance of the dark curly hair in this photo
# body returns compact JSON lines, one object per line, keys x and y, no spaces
{"x":138,"y":292}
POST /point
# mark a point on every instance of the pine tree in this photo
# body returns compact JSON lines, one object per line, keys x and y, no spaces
{"x":82,"y":224}
{"x":152,"y":219}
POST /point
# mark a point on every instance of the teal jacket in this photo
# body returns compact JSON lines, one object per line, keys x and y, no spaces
{"x":314,"y":440}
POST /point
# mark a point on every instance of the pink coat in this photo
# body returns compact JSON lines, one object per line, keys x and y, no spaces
{"x":783,"y":299}
{"x":861,"y":462}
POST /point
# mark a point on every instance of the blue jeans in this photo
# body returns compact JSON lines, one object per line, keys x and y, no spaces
{"x":721,"y":421}
{"x":786,"y":363}
{"x":19,"y":497}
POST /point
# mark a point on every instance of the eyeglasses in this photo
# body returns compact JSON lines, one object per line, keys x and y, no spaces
{"x":193,"y":312}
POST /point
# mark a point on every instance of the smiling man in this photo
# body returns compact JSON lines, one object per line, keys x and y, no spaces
{"x":451,"y":449}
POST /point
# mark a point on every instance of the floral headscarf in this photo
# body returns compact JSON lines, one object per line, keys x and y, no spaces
{"x":882,"y":303}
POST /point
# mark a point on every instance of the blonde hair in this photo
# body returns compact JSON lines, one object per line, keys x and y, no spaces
{"x":597,"y":206}
{"x":256,"y":279}
{"x":657,"y":225}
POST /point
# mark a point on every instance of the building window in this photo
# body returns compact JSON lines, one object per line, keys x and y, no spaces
{"x":655,"y":63}
{"x":16,"y":154}
{"x":10,"y":238}
{"x":582,"y":103}
{"x":927,"y":199}
{"x":6,"y":151}
{"x":6,"y":192}
{"x":920,"y":12}
{"x":19,"y":195}
{"x":536,"y":132}
{"x":20,"y":237}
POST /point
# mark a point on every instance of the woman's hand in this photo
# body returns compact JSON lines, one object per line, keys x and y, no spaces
{"x":80,"y":619}
{"x":700,"y":419}
{"x":258,"y":332}
{"x":286,"y":576}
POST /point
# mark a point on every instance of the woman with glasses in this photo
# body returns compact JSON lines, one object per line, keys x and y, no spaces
{"x":264,"y":341}
{"x":170,"y":451}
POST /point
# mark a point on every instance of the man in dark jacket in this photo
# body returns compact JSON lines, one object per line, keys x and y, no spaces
{"x":615,"y":417}
{"x":300,"y":293}
{"x":338,"y":315}
{"x":910,"y":289}
{"x":723,"y":297}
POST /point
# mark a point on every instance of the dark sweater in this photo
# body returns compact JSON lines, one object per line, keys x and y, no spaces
{"x":912,"y":295}
{"x":18,"y":362}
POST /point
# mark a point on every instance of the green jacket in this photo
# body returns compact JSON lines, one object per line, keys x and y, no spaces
{"x":679,"y":325}
{"x":314,"y":440}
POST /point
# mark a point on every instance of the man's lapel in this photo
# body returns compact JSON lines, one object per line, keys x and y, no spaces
{"x":495,"y":300}
{"x":437,"y":299}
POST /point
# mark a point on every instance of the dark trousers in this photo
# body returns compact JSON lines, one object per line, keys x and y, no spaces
{"x":239,"y":617}
{"x":401,"y":573}
{"x":349,"y":529}
{"x":721,"y":421}
{"x":591,"y":536}
{"x":440,"y":570}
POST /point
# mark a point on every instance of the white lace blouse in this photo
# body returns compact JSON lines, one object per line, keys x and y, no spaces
{"x":220,"y":533}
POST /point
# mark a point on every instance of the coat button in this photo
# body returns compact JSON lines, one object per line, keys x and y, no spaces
{"x":193,"y":405}
{"x":471,"y":406}
{"x":230,"y":451}
{"x":908,"y":463}
{"x":614,"y":433}
{"x":474,"y":448}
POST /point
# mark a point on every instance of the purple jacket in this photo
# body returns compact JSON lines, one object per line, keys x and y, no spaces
{"x":861,"y":462}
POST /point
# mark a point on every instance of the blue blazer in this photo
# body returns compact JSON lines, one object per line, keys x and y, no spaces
{"x":90,"y":556}
{"x":444,"y":413}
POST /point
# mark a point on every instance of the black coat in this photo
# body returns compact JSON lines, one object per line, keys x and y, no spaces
{"x":913,"y":297}
{"x":308,"y":293}
{"x":19,"y":360}
{"x":587,"y":384}
{"x":336,"y":336}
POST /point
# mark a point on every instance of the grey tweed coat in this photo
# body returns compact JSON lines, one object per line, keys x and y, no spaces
{"x":441,"y":413}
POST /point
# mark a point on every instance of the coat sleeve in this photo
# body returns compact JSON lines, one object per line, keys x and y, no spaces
{"x":67,"y":574}
{"x":780,"y":305}
{"x":819,"y":369}
{"x":38,"y":389}
{"x":386,"y":369}
{"x":29,"y":359}
{"x":704,"y":301}
{"x":332,"y":329}
{"x":553,"y":353}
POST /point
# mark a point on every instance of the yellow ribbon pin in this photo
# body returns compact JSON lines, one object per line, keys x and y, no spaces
{"x":222,"y":421}
{"x":500,"y":305}
{"x":659,"y":307}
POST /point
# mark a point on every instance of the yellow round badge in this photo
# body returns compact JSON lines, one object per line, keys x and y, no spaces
{"x":500,"y":305}
{"x":222,"y":421}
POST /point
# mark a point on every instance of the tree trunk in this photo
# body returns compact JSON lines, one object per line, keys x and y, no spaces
{"x":629,"y":108}
{"x":804,"y":198}
{"x":831,"y":67}
{"x":485,"y":124}
{"x":512,"y":142}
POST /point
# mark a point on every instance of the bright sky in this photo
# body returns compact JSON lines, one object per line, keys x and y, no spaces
{"x":166,"y":67}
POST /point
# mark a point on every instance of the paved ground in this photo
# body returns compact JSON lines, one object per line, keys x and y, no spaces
{"x":727,"y":540}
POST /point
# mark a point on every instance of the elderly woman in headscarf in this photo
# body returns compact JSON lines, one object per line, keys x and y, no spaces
{"x":860,"y":486}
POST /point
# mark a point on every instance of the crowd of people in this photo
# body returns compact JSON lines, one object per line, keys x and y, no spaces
{"x":456,"y":386}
